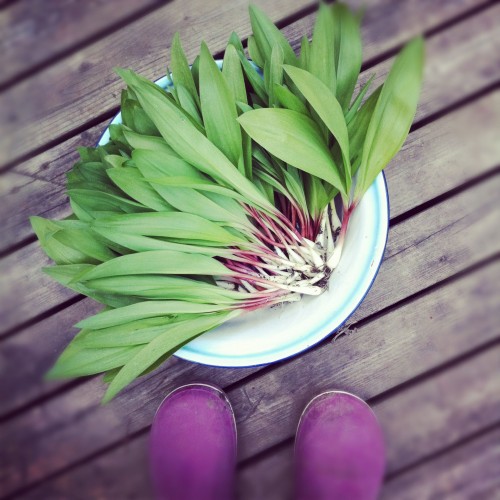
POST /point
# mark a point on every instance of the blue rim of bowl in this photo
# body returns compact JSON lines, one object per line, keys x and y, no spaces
{"x":184,"y":353}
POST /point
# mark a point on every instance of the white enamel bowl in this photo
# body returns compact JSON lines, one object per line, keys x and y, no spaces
{"x":270,"y":335}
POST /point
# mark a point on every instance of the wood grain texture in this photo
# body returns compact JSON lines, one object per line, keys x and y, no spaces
{"x":426,"y":333}
{"x":36,"y":187}
{"x":417,"y":422}
{"x":84,"y":86}
{"x":34,"y":32}
{"x":72,"y":92}
{"x":422,"y":251}
{"x":470,"y":471}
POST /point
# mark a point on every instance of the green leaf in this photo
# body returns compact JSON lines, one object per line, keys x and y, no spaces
{"x":233,"y":73}
{"x":327,"y":107}
{"x":393,"y":114}
{"x":131,"y":182}
{"x":348,"y":52}
{"x":293,"y":138}
{"x":188,"y":104}
{"x":254,"y":53}
{"x":321,"y":55}
{"x":166,"y":225}
{"x":137,"y":332}
{"x":358,"y":100}
{"x":77,"y":361}
{"x":142,"y":310}
{"x":267,"y":36}
{"x":359,"y":125}
{"x":181,"y":73}
{"x":273,"y":73}
{"x":289,"y":100}
{"x":166,"y":287}
{"x":166,"y":343}
{"x":218,"y":108}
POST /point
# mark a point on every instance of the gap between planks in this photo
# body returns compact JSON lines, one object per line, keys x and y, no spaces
{"x":65,"y":79}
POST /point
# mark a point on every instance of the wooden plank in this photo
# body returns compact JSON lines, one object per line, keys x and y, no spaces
{"x":33,"y":33}
{"x":435,"y":175}
{"x":417,"y":422}
{"x":424,"y":250}
{"x":436,"y":327}
{"x":470,"y":471}
{"x":68,"y":94}
{"x":25,"y":358}
{"x":84,"y":85}
{"x":445,"y":157}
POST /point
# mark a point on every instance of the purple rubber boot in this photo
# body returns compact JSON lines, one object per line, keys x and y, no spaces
{"x":193,"y":445}
{"x":339,"y":450}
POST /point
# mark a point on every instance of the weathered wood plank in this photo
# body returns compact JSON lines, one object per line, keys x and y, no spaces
{"x":68,"y":94}
{"x":34,"y":32}
{"x":426,"y":332}
{"x":422,"y":251}
{"x":470,"y":471}
{"x":25,"y":358}
{"x":84,"y":85}
{"x":417,"y":422}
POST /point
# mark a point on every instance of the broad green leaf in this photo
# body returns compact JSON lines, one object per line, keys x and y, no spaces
{"x":393,"y":114}
{"x":348,"y":52}
{"x":181,"y":74}
{"x":233,"y":73}
{"x":166,"y":287}
{"x":358,"y":100}
{"x":131,"y":182}
{"x":321,"y":55}
{"x":157,"y":262}
{"x":157,"y":144}
{"x":139,"y":243}
{"x":254,"y":53}
{"x":77,"y":361}
{"x":267,"y":36}
{"x":305,"y":48}
{"x":359,"y":125}
{"x":142,"y":310}
{"x":273,"y":73}
{"x":289,"y":100}
{"x":293,"y":138}
{"x":166,"y":225}
{"x":95,"y":202}
{"x":218,"y":108}
{"x":166,"y":343}
{"x":327,"y":107}
{"x":137,"y":332}
{"x":60,"y":253}
{"x":188,"y":104}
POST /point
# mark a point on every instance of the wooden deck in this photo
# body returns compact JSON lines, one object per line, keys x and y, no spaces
{"x":424,"y":347}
